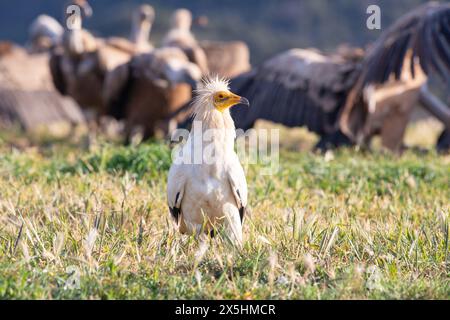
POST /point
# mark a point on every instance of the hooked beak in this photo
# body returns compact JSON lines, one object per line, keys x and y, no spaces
{"x":244,"y":101}
{"x":235,"y":100}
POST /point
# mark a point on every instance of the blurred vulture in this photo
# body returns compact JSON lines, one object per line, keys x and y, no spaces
{"x":227,"y":59}
{"x":80,"y":65}
{"x":45,"y":33}
{"x":180,"y":36}
{"x":361,"y":97}
{"x":27,"y":95}
{"x":298,"y":88}
{"x":394,"y":76}
{"x":142,"y":22}
{"x":147,"y":89}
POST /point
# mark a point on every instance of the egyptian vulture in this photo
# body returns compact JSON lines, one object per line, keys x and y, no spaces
{"x":147,"y":89}
{"x":394,"y":77}
{"x":206,"y":184}
{"x":180,"y":36}
{"x":27,"y":94}
{"x":80,"y":65}
{"x":299,"y":88}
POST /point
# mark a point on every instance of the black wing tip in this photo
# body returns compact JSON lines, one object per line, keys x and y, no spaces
{"x":175,"y":213}
{"x":242,"y":212}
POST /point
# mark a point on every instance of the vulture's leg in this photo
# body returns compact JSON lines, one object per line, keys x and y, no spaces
{"x":92,"y":128}
{"x":435,"y":106}
{"x":443,"y":143}
{"x":441,"y":111}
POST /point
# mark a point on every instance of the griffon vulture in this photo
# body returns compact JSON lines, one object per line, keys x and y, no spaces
{"x":359,"y":96}
{"x":27,"y":94}
{"x":394,"y":76}
{"x":210,"y":192}
{"x":147,"y":89}
{"x":180,"y":36}
{"x":142,"y":22}
{"x":80,"y":66}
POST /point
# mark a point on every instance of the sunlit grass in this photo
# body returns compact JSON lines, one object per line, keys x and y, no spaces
{"x":347,"y":225}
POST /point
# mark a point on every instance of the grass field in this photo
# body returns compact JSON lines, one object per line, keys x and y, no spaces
{"x":348,"y":225}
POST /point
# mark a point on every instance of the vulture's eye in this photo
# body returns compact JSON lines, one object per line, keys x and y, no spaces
{"x":221,"y":96}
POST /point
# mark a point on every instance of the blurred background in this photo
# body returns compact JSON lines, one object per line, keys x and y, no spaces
{"x":267,"y":26}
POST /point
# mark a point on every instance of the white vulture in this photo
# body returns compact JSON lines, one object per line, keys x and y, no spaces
{"x":45,"y":33}
{"x":148,"y":88}
{"x":206,"y":183}
{"x":180,"y":36}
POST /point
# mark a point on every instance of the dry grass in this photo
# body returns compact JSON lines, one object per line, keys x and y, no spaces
{"x":348,"y":225}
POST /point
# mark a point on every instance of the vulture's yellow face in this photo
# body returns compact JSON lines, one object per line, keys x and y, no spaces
{"x":226,"y":99}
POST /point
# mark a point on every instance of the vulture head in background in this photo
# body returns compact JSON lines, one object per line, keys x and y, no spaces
{"x":180,"y":36}
{"x":150,"y":87}
{"x":142,"y":22}
{"x":45,"y":33}
{"x":181,"y":20}
{"x":141,"y":25}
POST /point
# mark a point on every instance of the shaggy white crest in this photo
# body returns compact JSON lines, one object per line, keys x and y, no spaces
{"x":203,"y":100}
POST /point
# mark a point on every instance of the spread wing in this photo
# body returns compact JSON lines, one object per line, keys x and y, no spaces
{"x":425,"y":32}
{"x":295,"y":88}
{"x":421,"y":37}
